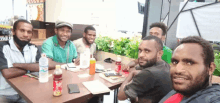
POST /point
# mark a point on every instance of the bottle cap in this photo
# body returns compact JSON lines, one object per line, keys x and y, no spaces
{"x":57,"y":66}
{"x":118,"y":58}
{"x":92,"y":58}
{"x":43,"y":55}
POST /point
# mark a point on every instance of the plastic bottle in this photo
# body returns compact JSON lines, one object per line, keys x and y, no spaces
{"x":85,"y":58}
{"x":118,"y":64}
{"x":92,"y":66}
{"x":43,"y":68}
{"x":57,"y":81}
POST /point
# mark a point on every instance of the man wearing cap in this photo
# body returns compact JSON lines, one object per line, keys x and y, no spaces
{"x":58,"y":48}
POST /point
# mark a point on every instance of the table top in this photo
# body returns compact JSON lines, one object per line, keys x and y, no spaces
{"x":34,"y":91}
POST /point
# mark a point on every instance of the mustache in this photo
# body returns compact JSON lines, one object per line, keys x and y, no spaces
{"x":177,"y":75}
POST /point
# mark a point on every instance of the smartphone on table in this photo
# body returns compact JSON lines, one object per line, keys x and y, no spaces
{"x":73,"y":88}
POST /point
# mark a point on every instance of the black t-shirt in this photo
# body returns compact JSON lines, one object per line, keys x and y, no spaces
{"x":150,"y":84}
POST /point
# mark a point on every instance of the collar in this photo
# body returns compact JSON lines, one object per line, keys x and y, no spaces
{"x":56,"y":43}
{"x":14,"y":47}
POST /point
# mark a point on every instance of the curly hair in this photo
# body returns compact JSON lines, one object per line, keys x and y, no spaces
{"x":208,"y":53}
{"x":160,"y":25}
{"x":159,"y":45}
{"x":89,"y":28}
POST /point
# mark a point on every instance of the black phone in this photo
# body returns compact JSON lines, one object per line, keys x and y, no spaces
{"x":112,"y":74}
{"x":36,"y":74}
{"x":73,"y":88}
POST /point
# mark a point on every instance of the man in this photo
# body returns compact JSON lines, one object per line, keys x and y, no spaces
{"x":58,"y":48}
{"x":87,"y":41}
{"x":17,"y":57}
{"x":159,"y":30}
{"x":151,"y":81}
{"x":191,"y":73}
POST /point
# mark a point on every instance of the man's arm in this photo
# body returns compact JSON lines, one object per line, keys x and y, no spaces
{"x":121,"y":93}
{"x":34,"y":67}
{"x":12,"y":72}
{"x":52,"y":64}
{"x":141,"y":82}
{"x":130,"y":66}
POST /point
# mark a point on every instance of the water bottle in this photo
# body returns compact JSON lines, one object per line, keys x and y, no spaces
{"x":43,"y":68}
{"x":85,"y":58}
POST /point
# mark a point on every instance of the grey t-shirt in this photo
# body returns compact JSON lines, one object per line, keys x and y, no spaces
{"x":150,"y":84}
{"x":80,"y":46}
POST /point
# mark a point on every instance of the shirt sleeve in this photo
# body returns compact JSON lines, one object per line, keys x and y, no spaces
{"x":3,"y":60}
{"x":47,"y":48}
{"x":141,"y":83}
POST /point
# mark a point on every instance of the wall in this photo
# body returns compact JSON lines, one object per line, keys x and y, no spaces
{"x":53,"y":10}
{"x":127,"y":16}
{"x":108,"y":14}
{"x":78,"y":11}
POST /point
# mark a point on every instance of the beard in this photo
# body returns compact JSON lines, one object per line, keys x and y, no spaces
{"x":86,"y":40}
{"x":199,"y":83}
{"x":150,"y":62}
{"x":20,"y":43}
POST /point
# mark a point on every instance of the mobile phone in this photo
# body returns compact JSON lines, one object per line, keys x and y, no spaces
{"x":112,"y":74}
{"x":36,"y":74}
{"x":73,"y":88}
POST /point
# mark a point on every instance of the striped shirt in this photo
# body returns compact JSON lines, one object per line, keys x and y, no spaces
{"x":10,"y":54}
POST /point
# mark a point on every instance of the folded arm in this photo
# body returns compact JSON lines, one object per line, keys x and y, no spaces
{"x":141,"y":82}
{"x":12,"y":72}
{"x":121,"y":93}
{"x":34,"y":67}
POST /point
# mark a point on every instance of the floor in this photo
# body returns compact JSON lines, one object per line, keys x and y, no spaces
{"x":110,"y":98}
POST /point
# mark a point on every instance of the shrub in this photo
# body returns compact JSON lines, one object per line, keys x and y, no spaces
{"x":217,"y":63}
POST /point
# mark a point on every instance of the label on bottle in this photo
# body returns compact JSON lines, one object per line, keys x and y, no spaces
{"x":92,"y":67}
{"x":118,"y":66}
{"x":43,"y":68}
{"x":57,"y":88}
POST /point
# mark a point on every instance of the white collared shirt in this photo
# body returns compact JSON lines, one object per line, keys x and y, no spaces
{"x":10,"y":54}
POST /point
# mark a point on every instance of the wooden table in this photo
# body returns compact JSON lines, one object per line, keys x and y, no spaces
{"x":34,"y":92}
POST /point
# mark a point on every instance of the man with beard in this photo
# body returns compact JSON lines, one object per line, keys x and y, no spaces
{"x":87,"y":41}
{"x":159,"y":30}
{"x":58,"y":48}
{"x":151,"y":81}
{"x":17,"y":57}
{"x":191,"y":73}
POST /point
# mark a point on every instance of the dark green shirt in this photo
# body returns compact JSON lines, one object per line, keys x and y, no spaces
{"x":54,"y":51}
{"x":167,"y":54}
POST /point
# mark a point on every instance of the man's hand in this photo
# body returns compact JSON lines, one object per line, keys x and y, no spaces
{"x":125,"y":67}
{"x":77,"y":61}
